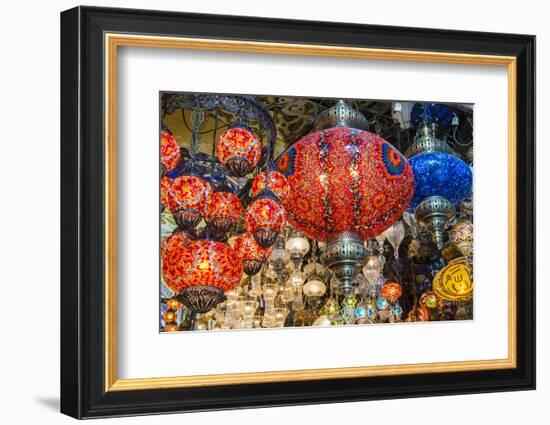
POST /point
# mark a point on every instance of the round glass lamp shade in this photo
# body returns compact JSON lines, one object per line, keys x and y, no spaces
{"x":314,"y":288}
{"x":239,"y":150}
{"x":265,"y":218}
{"x":187,"y":197}
{"x":200,"y":263}
{"x":251,"y":253}
{"x":297,"y":244}
{"x":391,"y":291}
{"x":222,"y":209}
{"x":271,"y":180}
{"x":462,"y":235}
{"x":440,"y":174}
{"x":169,"y":152}
{"x":345,"y":179}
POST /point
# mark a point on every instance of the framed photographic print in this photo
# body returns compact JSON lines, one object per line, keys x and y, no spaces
{"x":261,"y":212}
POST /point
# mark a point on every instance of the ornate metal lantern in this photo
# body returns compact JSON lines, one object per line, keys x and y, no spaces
{"x":251,"y":253}
{"x":265,"y":218}
{"x":187,"y":198}
{"x":239,"y":150}
{"x":200,"y":271}
{"x":434,"y":213}
{"x":222,"y":209}
{"x":346,"y":185}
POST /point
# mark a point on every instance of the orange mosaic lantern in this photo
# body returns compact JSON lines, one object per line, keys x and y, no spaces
{"x":222,"y":209}
{"x":239,"y":150}
{"x":270,"y":180}
{"x":165,"y":183}
{"x":169,"y":153}
{"x":265,"y":218}
{"x":187,"y":198}
{"x":251,"y":253}
{"x":391,"y":291}
{"x":201,"y":272}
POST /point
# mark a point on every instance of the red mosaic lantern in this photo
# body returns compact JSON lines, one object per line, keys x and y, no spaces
{"x":169,"y":153}
{"x":272,"y":180}
{"x":239,"y":150}
{"x":187,"y":198}
{"x":265,"y":218}
{"x":200,"y":272}
{"x":391,"y":291}
{"x":345,"y":179}
{"x":222,"y":209}
{"x":251,"y":253}
{"x":165,"y":183}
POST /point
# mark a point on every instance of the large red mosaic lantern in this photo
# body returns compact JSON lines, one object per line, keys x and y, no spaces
{"x":251,"y":253}
{"x":265,"y":218}
{"x":223,"y":209}
{"x":187,"y":197}
{"x":200,"y":271}
{"x":239,"y":150}
{"x":345,"y":179}
{"x":270,"y":180}
{"x":347,"y":185}
{"x":169,"y":153}
{"x":165,"y":183}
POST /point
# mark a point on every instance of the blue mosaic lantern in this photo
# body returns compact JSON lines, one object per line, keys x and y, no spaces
{"x":440,"y":174}
{"x":442,"y":180}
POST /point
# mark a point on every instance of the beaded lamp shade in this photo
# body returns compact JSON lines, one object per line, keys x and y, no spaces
{"x":440,"y":174}
{"x":345,"y":179}
{"x":239,"y":150}
{"x":222,"y":209}
{"x":165,"y":183}
{"x":169,"y":152}
{"x":265,"y":218}
{"x":391,"y":291}
{"x":187,"y":198}
{"x":272,"y":180}
{"x":251,"y":253}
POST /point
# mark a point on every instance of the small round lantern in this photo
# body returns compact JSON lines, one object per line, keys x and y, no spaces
{"x":239,"y":150}
{"x":271,"y":180}
{"x":223,"y":209}
{"x":391,"y":291}
{"x":169,"y":153}
{"x":201,"y":272}
{"x":187,"y":199}
{"x":462,"y":235}
{"x":265,"y":218}
{"x":251,"y":253}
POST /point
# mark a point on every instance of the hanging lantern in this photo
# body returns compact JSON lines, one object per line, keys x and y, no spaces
{"x":440,"y":174}
{"x":345,"y":179}
{"x":169,"y":153}
{"x":298,"y":246}
{"x":462,"y":236}
{"x":271,"y":180}
{"x":222,"y":209}
{"x":314,"y":287}
{"x":395,"y":234}
{"x":200,"y":272}
{"x":187,"y":199}
{"x":239,"y":150}
{"x":265,"y":218}
{"x":391,"y":291}
{"x":434,"y":213}
{"x":429,"y":299}
{"x":346,"y":186}
{"x":372,"y":269}
{"x":251,"y":253}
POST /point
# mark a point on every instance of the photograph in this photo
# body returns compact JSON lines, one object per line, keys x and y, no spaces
{"x":284,"y":212}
